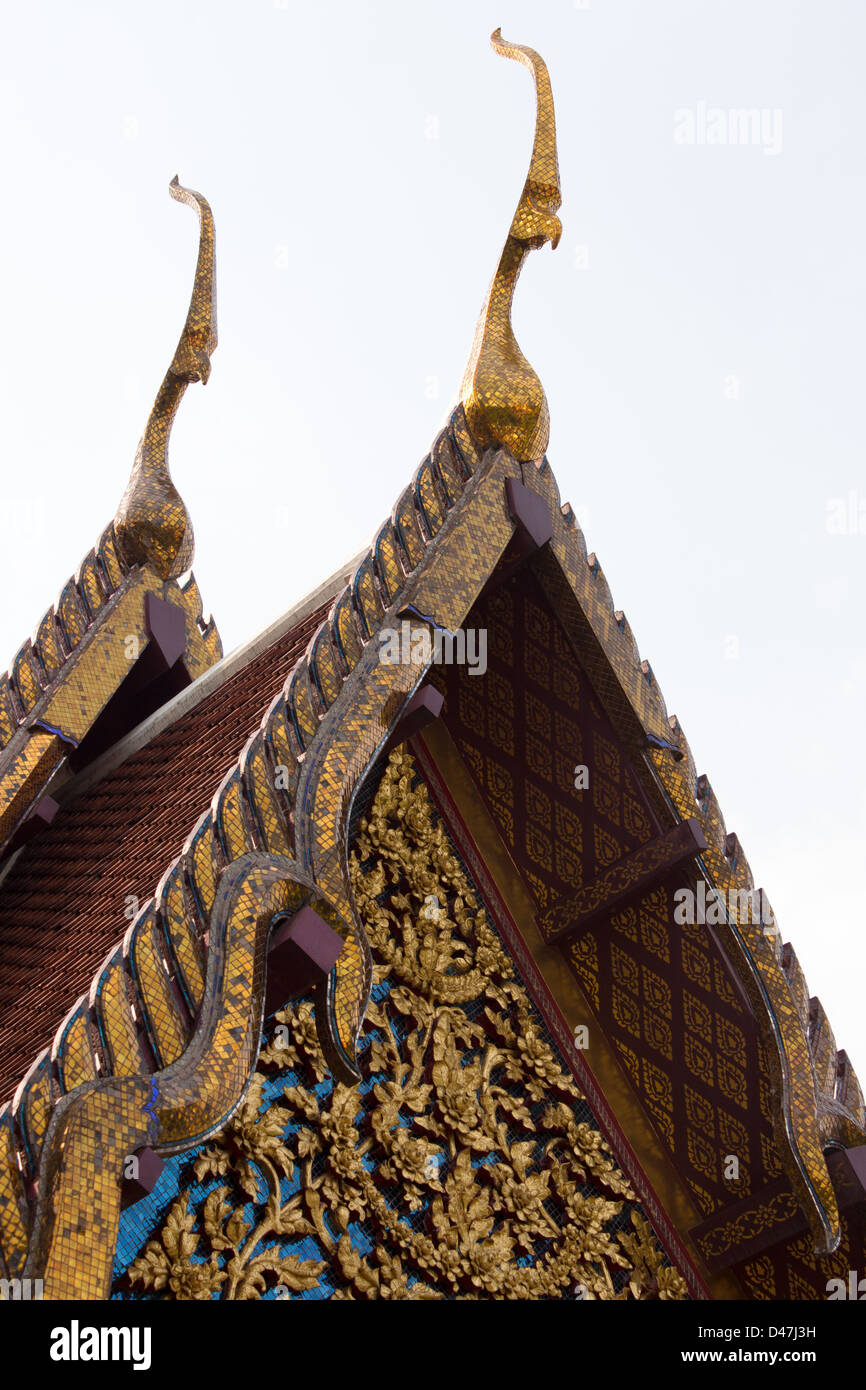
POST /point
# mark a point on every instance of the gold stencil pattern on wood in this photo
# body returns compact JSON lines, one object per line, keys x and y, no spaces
{"x":805,"y":1117}
{"x":460,"y":1073}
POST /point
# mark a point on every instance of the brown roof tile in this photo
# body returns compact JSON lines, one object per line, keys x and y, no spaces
{"x":62,"y":905}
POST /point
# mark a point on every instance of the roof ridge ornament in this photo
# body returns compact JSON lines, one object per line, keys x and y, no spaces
{"x":502,"y":396}
{"x":152,"y":525}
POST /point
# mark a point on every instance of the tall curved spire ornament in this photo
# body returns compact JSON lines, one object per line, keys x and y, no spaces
{"x":152,"y":525}
{"x":502,"y":396}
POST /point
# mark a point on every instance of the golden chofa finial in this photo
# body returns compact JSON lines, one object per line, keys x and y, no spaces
{"x":501,"y":394}
{"x":152,"y":525}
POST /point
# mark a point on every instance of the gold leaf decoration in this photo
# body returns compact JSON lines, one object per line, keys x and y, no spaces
{"x":466,"y":1165}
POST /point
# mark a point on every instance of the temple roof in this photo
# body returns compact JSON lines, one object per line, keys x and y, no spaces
{"x":232,"y":807}
{"x":128,"y":628}
{"x":63,"y":901}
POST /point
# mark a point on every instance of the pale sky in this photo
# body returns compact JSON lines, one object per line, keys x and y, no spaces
{"x":698,"y":332}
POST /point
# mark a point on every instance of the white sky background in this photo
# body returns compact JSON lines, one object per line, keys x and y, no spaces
{"x":353,"y":255}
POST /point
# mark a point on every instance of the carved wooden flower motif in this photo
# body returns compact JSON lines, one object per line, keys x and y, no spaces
{"x":467,"y":1165}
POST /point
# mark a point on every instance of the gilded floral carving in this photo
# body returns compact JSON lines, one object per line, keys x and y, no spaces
{"x":467,"y":1165}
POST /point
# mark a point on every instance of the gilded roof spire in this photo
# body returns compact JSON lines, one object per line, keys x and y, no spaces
{"x":152,"y":525}
{"x":501,"y":394}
